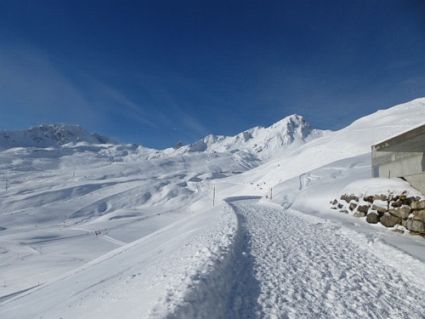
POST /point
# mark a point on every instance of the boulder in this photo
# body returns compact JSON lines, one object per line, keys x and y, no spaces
{"x":381,"y":197}
{"x":407,"y":200}
{"x":340,"y":205}
{"x":353,"y":206}
{"x":418,"y":215}
{"x":398,"y":203}
{"x":334,"y":202}
{"x":404,"y":222}
{"x":363,"y":208}
{"x":416,"y":226}
{"x":359,"y":214}
{"x":372,"y":218}
{"x":345,"y":197}
{"x":418,"y":204}
{"x":389,"y":220}
{"x":401,"y":212}
{"x":369,"y":199}
{"x":349,"y":198}
{"x":343,"y":211}
{"x":379,"y":209}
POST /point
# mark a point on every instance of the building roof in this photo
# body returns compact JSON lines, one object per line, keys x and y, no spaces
{"x":409,"y":141}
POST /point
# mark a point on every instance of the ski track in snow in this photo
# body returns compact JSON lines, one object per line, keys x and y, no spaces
{"x":102,"y":236}
{"x":113,"y":240}
{"x":306,"y":270}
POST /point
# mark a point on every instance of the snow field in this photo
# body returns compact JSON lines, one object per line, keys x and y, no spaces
{"x":148,"y":277}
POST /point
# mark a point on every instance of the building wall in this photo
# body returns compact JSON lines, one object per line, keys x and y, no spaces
{"x":402,"y":156}
{"x":408,"y":165}
{"x":417,"y":181}
{"x":397,"y":164}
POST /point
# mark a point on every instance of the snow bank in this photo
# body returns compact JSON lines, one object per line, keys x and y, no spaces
{"x":376,"y":186}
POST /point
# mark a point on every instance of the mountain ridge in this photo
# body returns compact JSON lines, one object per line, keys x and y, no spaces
{"x":291,"y":131}
{"x":50,"y":135}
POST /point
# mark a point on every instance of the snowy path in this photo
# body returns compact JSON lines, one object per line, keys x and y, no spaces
{"x":306,"y":270}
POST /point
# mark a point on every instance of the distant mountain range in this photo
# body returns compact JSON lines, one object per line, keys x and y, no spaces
{"x":50,"y":135}
{"x":291,"y":131}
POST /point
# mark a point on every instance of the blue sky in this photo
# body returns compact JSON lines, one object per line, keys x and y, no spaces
{"x":158,"y":72}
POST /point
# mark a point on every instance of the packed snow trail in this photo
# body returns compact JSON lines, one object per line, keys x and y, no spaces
{"x":307,"y":270}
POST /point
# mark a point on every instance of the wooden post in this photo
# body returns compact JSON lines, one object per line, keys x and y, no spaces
{"x":214,"y":196}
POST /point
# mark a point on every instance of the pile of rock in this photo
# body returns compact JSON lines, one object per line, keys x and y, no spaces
{"x":400,"y":211}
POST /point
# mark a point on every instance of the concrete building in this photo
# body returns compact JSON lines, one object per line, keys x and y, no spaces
{"x":402,"y":156}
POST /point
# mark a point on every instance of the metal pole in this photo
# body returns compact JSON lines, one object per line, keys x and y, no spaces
{"x":271,"y":192}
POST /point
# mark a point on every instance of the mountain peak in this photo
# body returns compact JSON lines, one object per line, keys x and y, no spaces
{"x":294,"y":126}
{"x":290,"y":131}
{"x":293,"y":118}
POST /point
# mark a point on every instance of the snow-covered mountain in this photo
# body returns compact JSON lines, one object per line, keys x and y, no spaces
{"x":262,"y":142}
{"x":49,"y":135}
{"x":290,"y":132}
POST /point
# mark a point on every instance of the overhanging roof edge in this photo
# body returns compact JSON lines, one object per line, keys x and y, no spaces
{"x":411,"y":133}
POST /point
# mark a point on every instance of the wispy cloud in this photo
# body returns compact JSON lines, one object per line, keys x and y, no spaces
{"x":173,"y":113}
{"x":31,"y":86}
{"x":108,"y":98}
{"x":35,"y":87}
